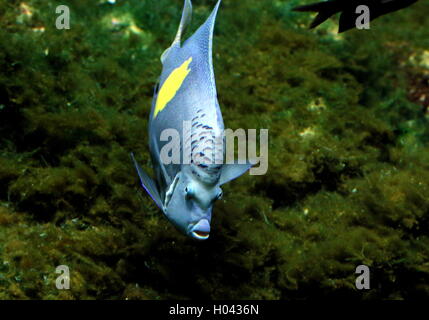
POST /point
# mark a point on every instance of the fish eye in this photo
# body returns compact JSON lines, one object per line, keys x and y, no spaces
{"x":188,"y":192}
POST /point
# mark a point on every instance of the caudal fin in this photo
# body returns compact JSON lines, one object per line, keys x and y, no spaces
{"x":325,"y":10}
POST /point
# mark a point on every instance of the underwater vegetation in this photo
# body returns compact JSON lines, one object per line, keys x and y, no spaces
{"x":348,"y":177}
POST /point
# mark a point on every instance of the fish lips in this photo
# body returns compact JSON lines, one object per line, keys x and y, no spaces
{"x":200,"y":230}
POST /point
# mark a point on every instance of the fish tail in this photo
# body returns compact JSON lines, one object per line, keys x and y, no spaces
{"x":324,"y":9}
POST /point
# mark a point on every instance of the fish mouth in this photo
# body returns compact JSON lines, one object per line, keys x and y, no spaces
{"x":200,"y":235}
{"x":201,"y":230}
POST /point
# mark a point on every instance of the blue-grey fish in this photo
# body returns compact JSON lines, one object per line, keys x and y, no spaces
{"x":186,"y":93}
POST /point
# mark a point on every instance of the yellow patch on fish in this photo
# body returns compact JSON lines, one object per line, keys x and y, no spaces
{"x":171,"y":85}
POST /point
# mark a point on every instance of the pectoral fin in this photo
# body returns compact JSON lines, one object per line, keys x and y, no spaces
{"x":232,"y":171}
{"x":148,"y":184}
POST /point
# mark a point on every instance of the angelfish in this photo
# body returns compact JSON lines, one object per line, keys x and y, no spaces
{"x":186,"y":94}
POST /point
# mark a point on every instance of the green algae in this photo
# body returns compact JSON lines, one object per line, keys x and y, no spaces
{"x":348,"y":178}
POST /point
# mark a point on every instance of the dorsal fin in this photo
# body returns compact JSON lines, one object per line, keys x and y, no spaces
{"x":185,"y":21}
